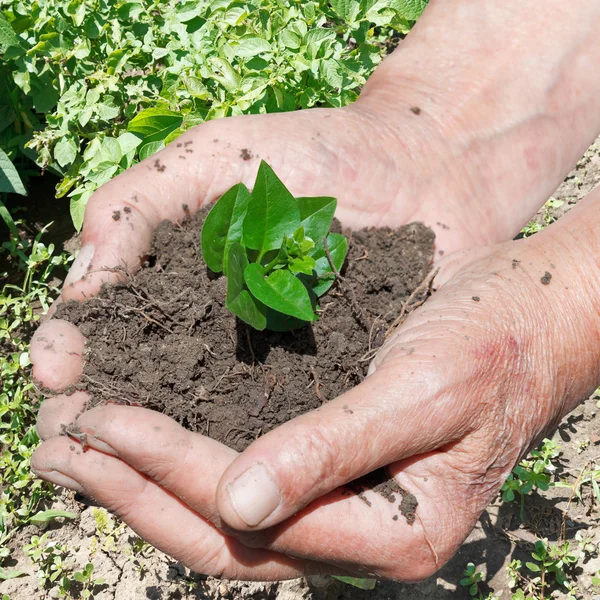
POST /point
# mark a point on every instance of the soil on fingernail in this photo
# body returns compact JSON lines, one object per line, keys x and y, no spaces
{"x":164,"y":339}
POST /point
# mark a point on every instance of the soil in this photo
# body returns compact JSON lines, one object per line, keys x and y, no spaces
{"x":164,"y":339}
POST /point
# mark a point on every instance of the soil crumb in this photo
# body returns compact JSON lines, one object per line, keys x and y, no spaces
{"x":163,"y":338}
{"x":546,"y":278}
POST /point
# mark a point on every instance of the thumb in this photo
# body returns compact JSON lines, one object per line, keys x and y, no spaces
{"x":121,"y":216}
{"x":379,"y":422}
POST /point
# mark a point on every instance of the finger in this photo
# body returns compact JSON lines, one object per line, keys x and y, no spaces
{"x":187,"y":464}
{"x":59,"y":412}
{"x":156,"y":515}
{"x":340,"y":528}
{"x":57,"y":354}
{"x":287,"y":468}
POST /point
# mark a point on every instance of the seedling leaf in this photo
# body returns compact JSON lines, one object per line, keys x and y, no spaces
{"x":324,"y":273}
{"x":272,"y":212}
{"x":223,"y":226}
{"x":281,"y":290}
{"x":48,"y":515}
{"x":316,"y":215}
{"x":239,"y":301}
{"x":363,"y":584}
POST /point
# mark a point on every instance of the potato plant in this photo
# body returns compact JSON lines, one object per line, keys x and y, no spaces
{"x":92,"y":87}
{"x":276,"y":251}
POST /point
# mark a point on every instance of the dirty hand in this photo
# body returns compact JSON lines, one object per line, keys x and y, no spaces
{"x":506,"y":346}
{"x":419,"y":145}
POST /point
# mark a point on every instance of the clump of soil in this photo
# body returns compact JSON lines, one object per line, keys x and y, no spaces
{"x":163,"y":338}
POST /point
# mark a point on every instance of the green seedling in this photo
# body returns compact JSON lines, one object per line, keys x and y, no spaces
{"x":531,"y":474}
{"x":275,"y":250}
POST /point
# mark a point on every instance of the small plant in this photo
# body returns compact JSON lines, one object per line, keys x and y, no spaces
{"x":84,"y":579}
{"x":473,"y":580}
{"x":276,"y":251}
{"x":550,"y":565}
{"x":49,"y":557}
{"x":531,"y":474}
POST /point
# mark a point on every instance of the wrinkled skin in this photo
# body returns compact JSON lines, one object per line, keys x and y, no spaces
{"x":452,"y":401}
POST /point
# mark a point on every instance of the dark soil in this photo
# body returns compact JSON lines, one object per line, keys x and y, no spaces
{"x":163,"y":338}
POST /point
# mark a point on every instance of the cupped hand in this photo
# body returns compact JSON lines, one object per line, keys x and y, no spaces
{"x":464,"y":387}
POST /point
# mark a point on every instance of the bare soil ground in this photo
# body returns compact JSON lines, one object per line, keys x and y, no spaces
{"x":133,"y":571}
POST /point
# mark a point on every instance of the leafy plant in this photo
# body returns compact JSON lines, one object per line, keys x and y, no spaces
{"x":530,"y":474}
{"x":550,"y":566}
{"x":86,"y":582}
{"x":97,"y":86}
{"x":25,"y":296}
{"x":276,"y":251}
{"x":473,"y":580}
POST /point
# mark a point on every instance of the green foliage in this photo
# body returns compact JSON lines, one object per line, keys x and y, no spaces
{"x":21,"y":306}
{"x":79,"y":74}
{"x":10,"y":182}
{"x":361,"y":584}
{"x":551,"y":564}
{"x":530,"y":474}
{"x":275,"y":251}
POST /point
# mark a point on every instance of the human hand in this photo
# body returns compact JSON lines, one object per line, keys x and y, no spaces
{"x":452,"y":164}
{"x":459,"y":393}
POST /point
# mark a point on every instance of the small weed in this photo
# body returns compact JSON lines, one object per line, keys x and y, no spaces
{"x":530,"y":474}
{"x":473,"y":580}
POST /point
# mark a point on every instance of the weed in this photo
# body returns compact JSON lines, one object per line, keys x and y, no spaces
{"x":473,"y":580}
{"x":21,"y":305}
{"x":530,"y":474}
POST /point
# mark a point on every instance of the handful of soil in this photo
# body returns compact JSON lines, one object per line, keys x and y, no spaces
{"x":163,"y":338}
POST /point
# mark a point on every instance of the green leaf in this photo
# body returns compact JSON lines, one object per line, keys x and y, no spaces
{"x":362,"y":584}
{"x":7,"y":218}
{"x":151,"y":148}
{"x":305,"y":265}
{"x":48,"y":515}
{"x":65,"y":151}
{"x":155,"y":121}
{"x":346,"y":9}
{"x":316,"y":215}
{"x":410,"y":9}
{"x":10,"y":573}
{"x":239,"y":301}
{"x":533,"y":567}
{"x":9,"y":177}
{"x":223,"y":226}
{"x":280,"y":291}
{"x":8,"y":37}
{"x":249,"y":46}
{"x":272,"y":212}
{"x":128,"y":142}
{"x":325,"y":276}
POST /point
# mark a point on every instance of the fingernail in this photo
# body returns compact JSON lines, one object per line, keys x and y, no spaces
{"x":96,"y":444}
{"x":58,"y":478}
{"x":254,"y":495}
{"x":81,"y":264}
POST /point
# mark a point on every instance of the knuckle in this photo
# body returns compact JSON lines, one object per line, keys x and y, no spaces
{"x":317,"y":456}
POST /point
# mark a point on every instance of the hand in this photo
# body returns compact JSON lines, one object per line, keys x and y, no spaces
{"x":458,"y":394}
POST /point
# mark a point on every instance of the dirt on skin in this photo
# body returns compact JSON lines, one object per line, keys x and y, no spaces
{"x":164,"y":339}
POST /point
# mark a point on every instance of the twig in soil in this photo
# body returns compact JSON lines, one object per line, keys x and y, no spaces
{"x":348,"y":292}
{"x":408,"y":307}
{"x":320,"y":396}
{"x":563,"y":529}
